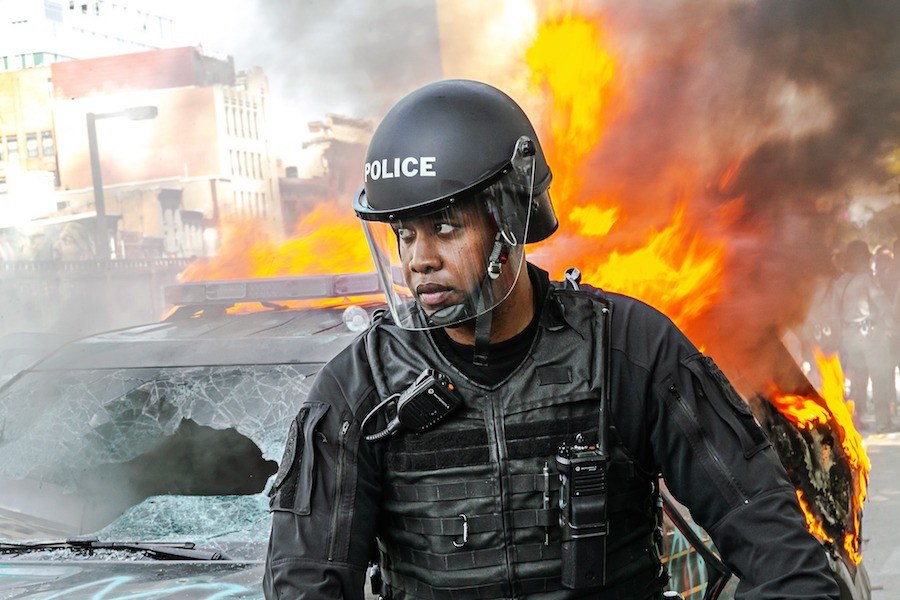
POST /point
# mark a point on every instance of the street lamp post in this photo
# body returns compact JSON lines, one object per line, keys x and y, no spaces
{"x":136,"y":113}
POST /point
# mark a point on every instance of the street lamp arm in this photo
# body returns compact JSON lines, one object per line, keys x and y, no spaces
{"x":134,"y":113}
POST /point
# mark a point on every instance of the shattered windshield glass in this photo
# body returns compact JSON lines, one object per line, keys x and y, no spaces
{"x":145,"y":453}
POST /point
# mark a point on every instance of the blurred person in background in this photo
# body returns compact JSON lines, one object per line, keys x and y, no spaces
{"x":38,"y":246}
{"x":867,"y":319}
{"x":75,"y":242}
{"x":822,"y":327}
{"x":7,"y":251}
{"x":884,"y":267}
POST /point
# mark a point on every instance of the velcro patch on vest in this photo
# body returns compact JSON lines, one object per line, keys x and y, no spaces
{"x":438,"y":449}
{"x":542,"y":438}
{"x":550,"y":375}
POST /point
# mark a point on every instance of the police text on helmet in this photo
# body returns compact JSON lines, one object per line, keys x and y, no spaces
{"x":400,"y":167}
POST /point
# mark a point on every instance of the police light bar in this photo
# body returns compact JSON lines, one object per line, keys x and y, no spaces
{"x":273,"y":289}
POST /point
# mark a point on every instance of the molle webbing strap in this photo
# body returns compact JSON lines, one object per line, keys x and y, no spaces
{"x":468,"y":489}
{"x":490,"y":591}
{"x":477,"y":523}
{"x":630,"y":501}
{"x":438,"y":459}
{"x":443,"y":491}
{"x":642,"y":587}
{"x":489,"y":557}
{"x":531,"y":483}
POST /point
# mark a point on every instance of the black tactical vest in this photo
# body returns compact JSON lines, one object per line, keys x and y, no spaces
{"x":470,"y":508}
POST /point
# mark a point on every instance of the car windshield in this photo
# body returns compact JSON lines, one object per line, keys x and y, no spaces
{"x":164,"y":454}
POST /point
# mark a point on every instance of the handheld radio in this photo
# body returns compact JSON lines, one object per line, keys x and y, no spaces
{"x":584,"y":494}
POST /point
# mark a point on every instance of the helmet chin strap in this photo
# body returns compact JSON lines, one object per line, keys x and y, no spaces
{"x":457,"y":314}
{"x":499,"y":257}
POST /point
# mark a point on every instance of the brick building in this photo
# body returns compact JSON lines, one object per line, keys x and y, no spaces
{"x":166,"y":181}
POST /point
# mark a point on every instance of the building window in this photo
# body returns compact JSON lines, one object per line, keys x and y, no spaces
{"x":53,"y":11}
{"x":12,"y":147}
{"x":31,"y":145}
{"x":47,"y":143}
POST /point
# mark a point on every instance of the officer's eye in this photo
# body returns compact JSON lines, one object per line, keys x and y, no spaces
{"x":404,"y":233}
{"x":444,"y":228}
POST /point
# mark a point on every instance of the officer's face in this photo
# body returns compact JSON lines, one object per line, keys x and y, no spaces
{"x":444,"y":256}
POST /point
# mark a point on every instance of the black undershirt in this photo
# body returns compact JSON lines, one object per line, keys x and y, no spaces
{"x":504,"y":356}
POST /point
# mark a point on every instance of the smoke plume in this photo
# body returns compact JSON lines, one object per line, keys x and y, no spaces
{"x":785,"y":108}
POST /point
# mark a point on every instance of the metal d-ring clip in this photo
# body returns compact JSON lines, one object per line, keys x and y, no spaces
{"x":465,"y":537}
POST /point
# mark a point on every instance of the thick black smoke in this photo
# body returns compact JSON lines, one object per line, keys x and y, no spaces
{"x":791,"y":107}
{"x":850,"y":53}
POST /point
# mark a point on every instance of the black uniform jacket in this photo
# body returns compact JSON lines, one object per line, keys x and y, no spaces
{"x":673,"y":410}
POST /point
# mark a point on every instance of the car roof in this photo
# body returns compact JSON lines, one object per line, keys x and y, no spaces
{"x":274,"y":337}
{"x":296,"y":320}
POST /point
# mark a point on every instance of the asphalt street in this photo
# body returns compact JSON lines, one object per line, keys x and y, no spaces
{"x":881,"y":517}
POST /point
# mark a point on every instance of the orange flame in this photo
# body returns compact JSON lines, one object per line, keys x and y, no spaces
{"x":677,"y":268}
{"x":582,"y":91}
{"x":806,"y":412}
{"x":812,"y":522}
{"x":674,"y":271}
{"x":327,"y":240}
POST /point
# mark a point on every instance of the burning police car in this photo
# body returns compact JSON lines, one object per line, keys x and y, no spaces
{"x":136,"y":462}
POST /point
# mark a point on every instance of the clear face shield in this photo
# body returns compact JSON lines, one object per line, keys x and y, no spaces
{"x":448,"y":266}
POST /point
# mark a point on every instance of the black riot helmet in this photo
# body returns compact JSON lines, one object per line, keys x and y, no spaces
{"x":440,"y":151}
{"x":448,"y":139}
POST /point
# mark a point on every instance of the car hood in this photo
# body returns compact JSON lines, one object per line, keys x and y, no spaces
{"x":111,"y":579}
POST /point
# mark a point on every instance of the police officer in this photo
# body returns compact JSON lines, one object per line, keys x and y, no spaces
{"x":468,"y":507}
{"x":866,"y":316}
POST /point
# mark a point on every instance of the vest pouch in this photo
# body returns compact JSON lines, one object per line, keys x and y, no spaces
{"x":292,"y":489}
{"x":728,"y":405}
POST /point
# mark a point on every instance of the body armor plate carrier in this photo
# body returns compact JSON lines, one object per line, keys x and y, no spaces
{"x":471,"y":507}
